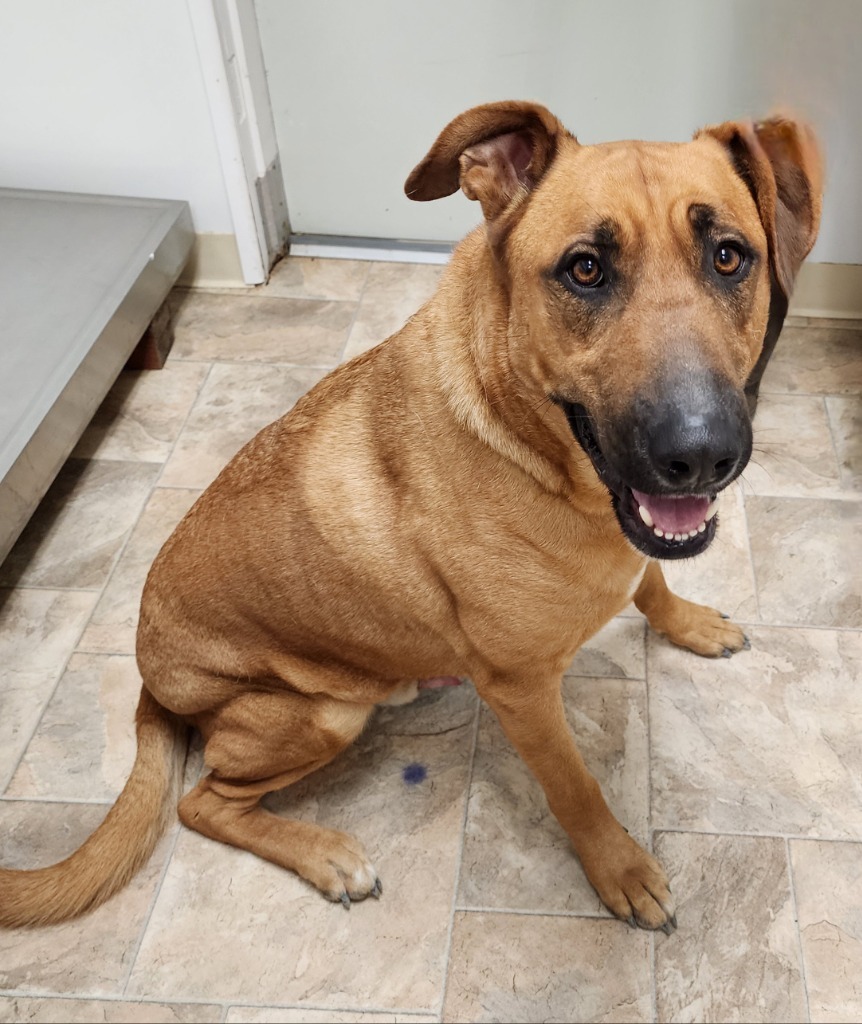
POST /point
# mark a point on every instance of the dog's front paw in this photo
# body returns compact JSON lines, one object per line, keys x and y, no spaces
{"x":703,"y":630}
{"x":339,"y":867}
{"x":631,"y":883}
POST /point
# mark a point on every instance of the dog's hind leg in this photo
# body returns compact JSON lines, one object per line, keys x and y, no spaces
{"x":696,"y":626}
{"x":260,"y":742}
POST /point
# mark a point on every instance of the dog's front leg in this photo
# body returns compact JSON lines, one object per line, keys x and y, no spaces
{"x":696,"y":626}
{"x":629,"y":881}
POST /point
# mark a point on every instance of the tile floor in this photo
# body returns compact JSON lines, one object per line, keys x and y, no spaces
{"x":744,"y":775}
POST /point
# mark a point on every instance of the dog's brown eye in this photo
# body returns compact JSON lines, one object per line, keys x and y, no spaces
{"x":727,"y":259}
{"x":586,"y":271}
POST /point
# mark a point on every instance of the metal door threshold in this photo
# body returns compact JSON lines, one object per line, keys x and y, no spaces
{"x":81,"y":277}
{"x":349,"y":247}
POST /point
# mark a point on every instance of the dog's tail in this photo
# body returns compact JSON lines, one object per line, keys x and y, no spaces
{"x":120,"y":845}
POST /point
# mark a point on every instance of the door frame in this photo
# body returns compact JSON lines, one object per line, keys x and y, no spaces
{"x":231,"y":61}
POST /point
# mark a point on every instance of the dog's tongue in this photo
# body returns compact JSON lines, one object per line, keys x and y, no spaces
{"x":673,"y":515}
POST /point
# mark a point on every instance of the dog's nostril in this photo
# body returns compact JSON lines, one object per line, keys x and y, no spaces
{"x":678,"y":468}
{"x":724,"y":465}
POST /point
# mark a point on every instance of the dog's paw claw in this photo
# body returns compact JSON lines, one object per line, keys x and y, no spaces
{"x":668,"y":927}
{"x":377,"y":889}
{"x":345,"y":900}
{"x":727,"y":653}
{"x":723,"y":615}
{"x":632,"y":923}
{"x":746,"y":644}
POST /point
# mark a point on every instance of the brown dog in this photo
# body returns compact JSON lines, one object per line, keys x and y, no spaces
{"x":477,"y":496}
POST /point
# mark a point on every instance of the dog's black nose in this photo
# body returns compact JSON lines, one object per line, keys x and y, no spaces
{"x":702,"y":437}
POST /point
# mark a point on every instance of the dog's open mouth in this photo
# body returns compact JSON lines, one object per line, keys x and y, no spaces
{"x":659,"y":525}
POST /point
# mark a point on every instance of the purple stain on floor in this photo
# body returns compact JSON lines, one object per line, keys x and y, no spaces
{"x":414,"y":773}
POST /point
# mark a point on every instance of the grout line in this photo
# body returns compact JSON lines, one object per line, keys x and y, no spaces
{"x":582,"y":915}
{"x":831,"y":428}
{"x":183,"y":426}
{"x":355,"y":317}
{"x":648,"y":735}
{"x":99,"y":592}
{"x":226,"y":1005}
{"x":146,"y":923}
{"x":751,"y":564}
{"x":399,"y":1011}
{"x":650,"y":830}
{"x":653,"y":982}
{"x":269,"y":363}
{"x":259,"y":292}
{"x":457,"y":885}
{"x":810,"y":394}
{"x":39,"y":586}
{"x":100,"y":997}
{"x":796,"y":925}
{"x":739,"y":834}
{"x":9,"y":798}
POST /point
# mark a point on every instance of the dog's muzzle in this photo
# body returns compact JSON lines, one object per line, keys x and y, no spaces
{"x":665,"y":469}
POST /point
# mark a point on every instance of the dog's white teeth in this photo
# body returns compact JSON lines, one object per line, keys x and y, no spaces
{"x":713,"y":508}
{"x":658,"y":532}
{"x":701,"y":528}
{"x":692,"y":533}
{"x":647,"y":518}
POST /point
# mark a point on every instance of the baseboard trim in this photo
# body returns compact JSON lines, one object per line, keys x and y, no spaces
{"x":214,"y":263}
{"x":831,"y":290}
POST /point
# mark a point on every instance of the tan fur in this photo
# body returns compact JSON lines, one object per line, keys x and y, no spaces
{"x":425,"y":511}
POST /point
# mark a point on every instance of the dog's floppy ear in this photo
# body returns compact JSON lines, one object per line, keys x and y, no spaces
{"x":494,"y":153}
{"x":781,"y":162}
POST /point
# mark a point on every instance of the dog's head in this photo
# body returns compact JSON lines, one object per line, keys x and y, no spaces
{"x":639,"y":278}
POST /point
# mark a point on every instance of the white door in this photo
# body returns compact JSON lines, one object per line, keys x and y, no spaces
{"x":360,"y":88}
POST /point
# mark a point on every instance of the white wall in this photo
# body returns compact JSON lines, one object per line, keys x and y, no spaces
{"x":107,"y":96}
{"x":360,"y":90}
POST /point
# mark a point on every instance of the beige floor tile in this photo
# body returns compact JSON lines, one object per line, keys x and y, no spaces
{"x":805,"y":554}
{"x":815,"y":360}
{"x":103,"y":1011}
{"x":88,"y":957}
{"x":516,"y":855}
{"x":327,"y":957}
{"x":38,"y":631}
{"x":143,"y":413}
{"x":393,"y":293}
{"x":509,"y":967}
{"x":722,"y":576}
{"x":112,"y":628}
{"x":766,"y":741}
{"x":618,"y":650}
{"x":301,"y":277}
{"x":828,"y":881}
{"x":793,"y":452}
{"x":80,"y":525}
{"x":253,"y":328}
{"x":845,"y":417}
{"x":235,"y":403}
{"x":84,"y":746}
{"x":735,"y":956}
{"x":288,"y":1015}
